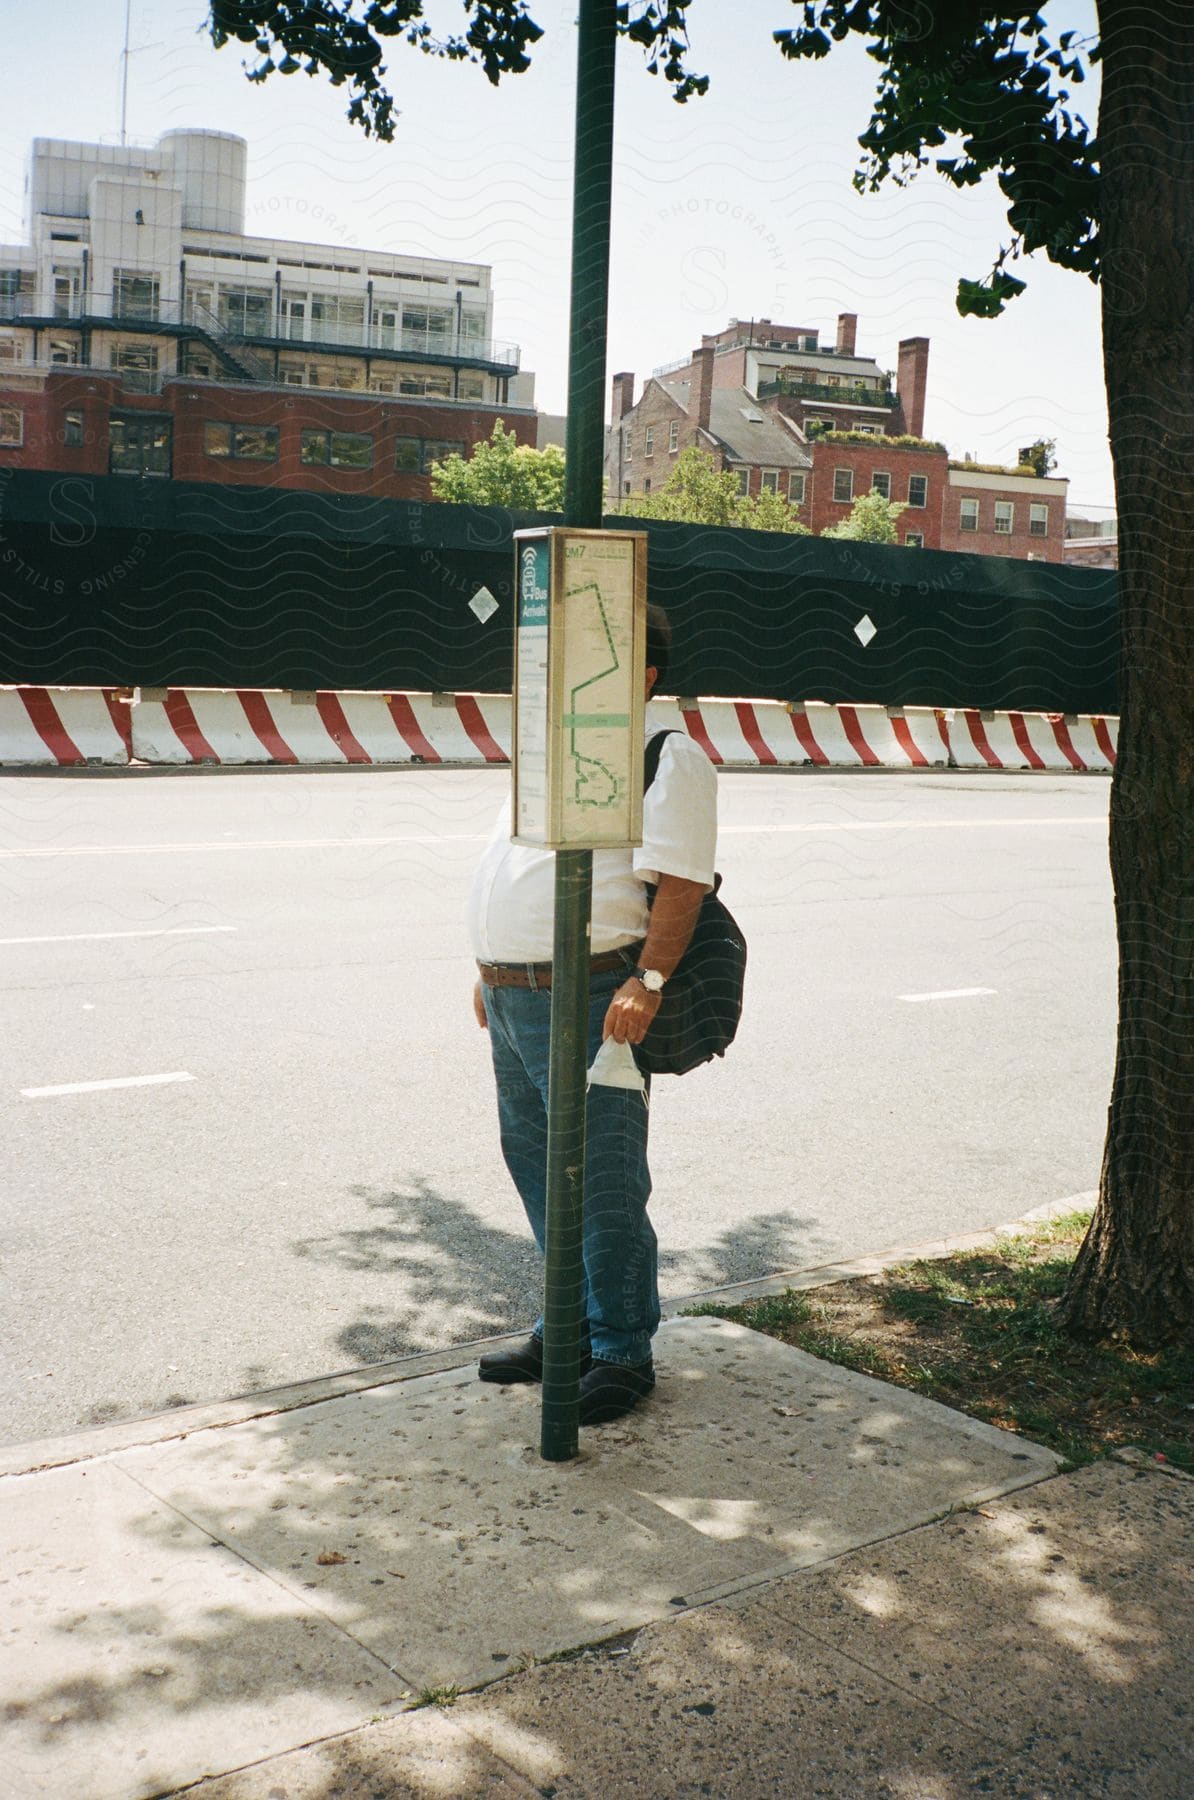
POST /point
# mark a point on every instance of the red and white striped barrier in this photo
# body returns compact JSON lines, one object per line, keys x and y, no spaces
{"x":1019,"y":740}
{"x":73,"y":726}
{"x":65,"y":727}
{"x":245,"y":725}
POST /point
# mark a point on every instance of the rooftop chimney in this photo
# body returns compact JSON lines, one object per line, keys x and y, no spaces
{"x":702,"y":360}
{"x":623,"y":396}
{"x":912,"y":375}
{"x":847,"y":332}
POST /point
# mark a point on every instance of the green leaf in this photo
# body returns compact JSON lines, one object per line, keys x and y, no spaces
{"x":987,"y":299}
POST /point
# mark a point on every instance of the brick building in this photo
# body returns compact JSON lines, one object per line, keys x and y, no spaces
{"x":757,"y":444}
{"x":143,"y":333}
{"x":1003,"y":512}
{"x":823,"y":425}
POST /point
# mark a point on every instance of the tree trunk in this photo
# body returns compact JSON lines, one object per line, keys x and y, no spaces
{"x":1134,"y":1276}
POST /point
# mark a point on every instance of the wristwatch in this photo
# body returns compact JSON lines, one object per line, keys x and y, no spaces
{"x":651,"y":979}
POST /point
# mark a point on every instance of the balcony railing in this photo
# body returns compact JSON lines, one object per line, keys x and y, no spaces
{"x":248,"y":325}
{"x":846,"y":394}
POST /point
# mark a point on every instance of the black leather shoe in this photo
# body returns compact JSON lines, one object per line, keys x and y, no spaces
{"x":611,"y":1389}
{"x":522,"y":1363}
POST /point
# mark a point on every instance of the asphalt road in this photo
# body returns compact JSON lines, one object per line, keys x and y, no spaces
{"x":324,"y":1189}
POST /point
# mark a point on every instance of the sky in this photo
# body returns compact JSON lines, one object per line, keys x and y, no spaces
{"x":737,"y":205}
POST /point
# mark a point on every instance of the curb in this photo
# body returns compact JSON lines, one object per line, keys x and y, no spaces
{"x":99,"y":1441}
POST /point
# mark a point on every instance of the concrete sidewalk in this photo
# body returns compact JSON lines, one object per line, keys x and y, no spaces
{"x":256,"y":1606}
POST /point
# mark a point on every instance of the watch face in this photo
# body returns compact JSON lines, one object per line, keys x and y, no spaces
{"x":651,"y":979}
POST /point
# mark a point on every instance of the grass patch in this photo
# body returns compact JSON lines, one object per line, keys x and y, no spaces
{"x":436,"y":1696}
{"x":976,"y":1332}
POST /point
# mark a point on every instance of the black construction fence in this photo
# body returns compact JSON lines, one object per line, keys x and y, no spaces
{"x":122,"y":581}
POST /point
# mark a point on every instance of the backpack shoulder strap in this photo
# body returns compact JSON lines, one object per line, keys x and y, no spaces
{"x":651,"y":755}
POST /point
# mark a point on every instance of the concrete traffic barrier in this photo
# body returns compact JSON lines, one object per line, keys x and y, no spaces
{"x":244,"y":726}
{"x":64,"y":727}
{"x":247,"y":726}
{"x":1040,"y":741}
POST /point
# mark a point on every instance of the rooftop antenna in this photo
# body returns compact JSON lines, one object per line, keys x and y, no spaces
{"x":124,"y":76}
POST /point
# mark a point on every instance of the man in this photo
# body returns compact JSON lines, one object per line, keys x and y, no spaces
{"x":634,"y":949}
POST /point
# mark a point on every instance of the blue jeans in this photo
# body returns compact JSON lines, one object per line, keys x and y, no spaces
{"x":621,"y":1293}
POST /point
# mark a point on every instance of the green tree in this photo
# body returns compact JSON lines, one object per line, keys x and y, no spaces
{"x":976,"y":89}
{"x":502,"y":472}
{"x":1040,"y":457}
{"x":697,"y":492}
{"x":872,"y":520}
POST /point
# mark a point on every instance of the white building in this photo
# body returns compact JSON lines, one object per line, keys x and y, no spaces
{"x":138,"y":262}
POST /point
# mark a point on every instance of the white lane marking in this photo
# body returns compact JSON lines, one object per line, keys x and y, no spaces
{"x":908,"y":825}
{"x":364,"y":843}
{"x":89,"y":937}
{"x":478,"y":837}
{"x":949,"y":994}
{"x":92,"y":1087}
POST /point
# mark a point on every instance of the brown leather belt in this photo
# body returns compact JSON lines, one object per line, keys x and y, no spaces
{"x":538,"y":975}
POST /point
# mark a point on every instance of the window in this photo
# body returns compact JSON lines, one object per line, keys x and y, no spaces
{"x":12,"y":427}
{"x":135,"y":294}
{"x":868,"y":430}
{"x":141,"y":359}
{"x":336,"y":320}
{"x":139,"y":445}
{"x":137,"y":362}
{"x":472,"y":387}
{"x":414,"y":456}
{"x":1005,"y":517}
{"x":63,"y":350}
{"x":628,"y":445}
{"x":743,"y":480}
{"x":426,"y":325}
{"x":968,"y":515}
{"x":649,"y":441}
{"x":72,"y":428}
{"x":796,"y":487}
{"x":436,"y":449}
{"x":1038,"y":521}
{"x":247,"y":311}
{"x":647,"y":485}
{"x":255,"y":443}
{"x":918,"y":490}
{"x":336,"y":449}
{"x":673,"y":435}
{"x":915,"y":540}
{"x":66,"y":290}
{"x":881,"y":483}
{"x":769,"y":481}
{"x":814,"y":426}
{"x":244,"y":443}
{"x":10,"y":350}
{"x":843,"y":484}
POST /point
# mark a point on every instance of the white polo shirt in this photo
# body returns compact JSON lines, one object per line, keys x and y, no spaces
{"x":511,"y":905}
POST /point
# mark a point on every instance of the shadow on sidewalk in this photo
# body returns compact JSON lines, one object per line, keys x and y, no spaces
{"x":460,"y":1278}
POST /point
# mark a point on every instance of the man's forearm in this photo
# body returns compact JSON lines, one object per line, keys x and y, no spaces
{"x":673,"y":920}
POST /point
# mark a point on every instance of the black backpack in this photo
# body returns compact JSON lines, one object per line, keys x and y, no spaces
{"x":702,"y":1002}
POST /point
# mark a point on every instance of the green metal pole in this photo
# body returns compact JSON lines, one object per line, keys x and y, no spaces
{"x":583,"y":492}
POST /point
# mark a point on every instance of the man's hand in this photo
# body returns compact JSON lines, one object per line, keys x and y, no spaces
{"x":479,"y":1006}
{"x":630,"y":1013}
